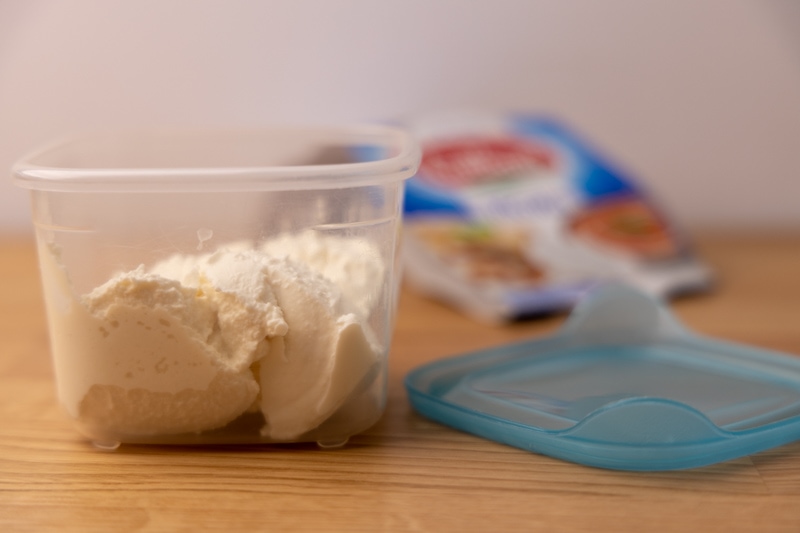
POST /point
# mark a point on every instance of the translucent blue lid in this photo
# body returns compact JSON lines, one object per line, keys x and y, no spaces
{"x":622,"y":385}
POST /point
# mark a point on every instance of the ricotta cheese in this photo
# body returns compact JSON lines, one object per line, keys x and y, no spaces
{"x":353,"y":265}
{"x":196,"y":341}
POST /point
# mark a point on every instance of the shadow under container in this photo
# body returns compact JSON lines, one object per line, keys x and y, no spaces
{"x":221,"y":287}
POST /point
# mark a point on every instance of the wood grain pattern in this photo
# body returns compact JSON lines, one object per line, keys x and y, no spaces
{"x":405,"y":473}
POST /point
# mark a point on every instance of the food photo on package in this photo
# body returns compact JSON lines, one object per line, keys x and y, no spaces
{"x":514,"y":216}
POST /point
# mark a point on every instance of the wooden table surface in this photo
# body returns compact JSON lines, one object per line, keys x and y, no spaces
{"x":406,"y":473}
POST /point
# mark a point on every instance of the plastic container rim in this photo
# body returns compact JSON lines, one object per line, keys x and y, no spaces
{"x":29,"y":175}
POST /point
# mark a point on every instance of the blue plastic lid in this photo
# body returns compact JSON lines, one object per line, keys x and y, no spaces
{"x":622,"y":385}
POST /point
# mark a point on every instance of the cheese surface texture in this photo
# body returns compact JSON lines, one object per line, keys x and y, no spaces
{"x":192,"y":343}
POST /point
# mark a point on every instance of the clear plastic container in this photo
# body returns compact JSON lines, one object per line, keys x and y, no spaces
{"x":221,"y":287}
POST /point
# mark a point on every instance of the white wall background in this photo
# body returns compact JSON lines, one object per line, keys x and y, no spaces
{"x":701,"y":98}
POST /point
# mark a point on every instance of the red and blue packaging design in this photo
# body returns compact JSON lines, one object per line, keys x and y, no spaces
{"x":512,"y":216}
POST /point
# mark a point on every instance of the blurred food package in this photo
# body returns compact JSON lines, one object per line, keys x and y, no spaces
{"x":512,"y":216}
